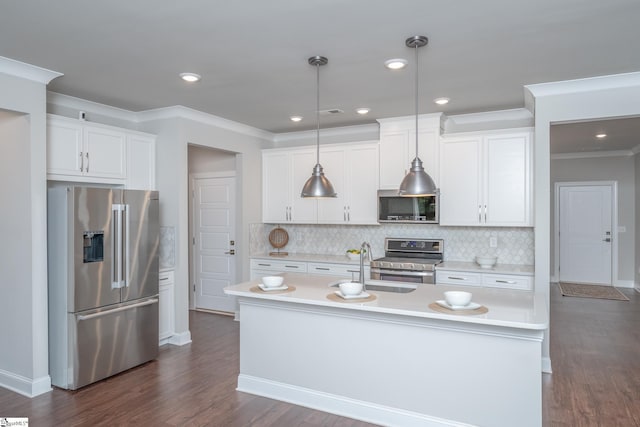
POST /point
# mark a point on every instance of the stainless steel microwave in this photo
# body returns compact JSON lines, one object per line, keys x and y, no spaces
{"x":416,"y":210}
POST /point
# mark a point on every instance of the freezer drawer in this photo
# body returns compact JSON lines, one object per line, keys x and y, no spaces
{"x":112,"y":341}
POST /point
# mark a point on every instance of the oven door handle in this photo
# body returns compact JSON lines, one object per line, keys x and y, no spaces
{"x":402,"y":272}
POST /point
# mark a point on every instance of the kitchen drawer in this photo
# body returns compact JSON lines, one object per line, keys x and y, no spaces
{"x":346,"y":270}
{"x":507,"y":281}
{"x":278,"y":266}
{"x":446,"y":277}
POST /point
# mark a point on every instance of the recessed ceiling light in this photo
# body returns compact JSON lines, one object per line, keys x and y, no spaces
{"x":190,"y":77}
{"x":601,"y":135}
{"x":362,"y":110}
{"x":296,"y":118}
{"x":395,"y":64}
{"x":441,"y":101}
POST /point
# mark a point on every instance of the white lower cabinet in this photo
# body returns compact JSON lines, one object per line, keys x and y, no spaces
{"x":166,"y":307}
{"x":260,"y":267}
{"x":268,"y":267}
{"x":490,"y":280}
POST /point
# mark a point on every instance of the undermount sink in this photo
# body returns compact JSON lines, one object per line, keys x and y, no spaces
{"x":382,"y":287}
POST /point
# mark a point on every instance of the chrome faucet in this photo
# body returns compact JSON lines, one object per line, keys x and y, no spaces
{"x":364,"y":246}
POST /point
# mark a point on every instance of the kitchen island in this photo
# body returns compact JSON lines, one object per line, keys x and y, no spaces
{"x":394,"y":360}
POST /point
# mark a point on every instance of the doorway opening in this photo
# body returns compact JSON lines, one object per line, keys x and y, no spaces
{"x":213,"y":248}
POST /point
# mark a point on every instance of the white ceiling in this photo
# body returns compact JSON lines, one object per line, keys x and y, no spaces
{"x":253,"y":54}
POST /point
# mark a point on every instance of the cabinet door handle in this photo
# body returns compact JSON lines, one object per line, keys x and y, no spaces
{"x":81,"y":162}
{"x":344,"y":213}
{"x":348,"y":213}
{"x":479,"y":213}
{"x":509,"y":282}
{"x":87,"y":155}
{"x":485,"y":213}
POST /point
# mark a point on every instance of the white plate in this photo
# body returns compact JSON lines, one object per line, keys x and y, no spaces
{"x":471,"y":306}
{"x":267,"y":289}
{"x":359,"y":296}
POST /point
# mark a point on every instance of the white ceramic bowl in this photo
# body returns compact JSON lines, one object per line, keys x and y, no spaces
{"x":350,"y":288}
{"x":353,"y":257}
{"x":457,"y":298}
{"x":272,"y":281}
{"x":486,"y":261}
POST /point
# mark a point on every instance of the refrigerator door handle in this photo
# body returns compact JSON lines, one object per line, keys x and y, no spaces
{"x":117,"y":247}
{"x":125,"y":244}
{"x":115,"y":310}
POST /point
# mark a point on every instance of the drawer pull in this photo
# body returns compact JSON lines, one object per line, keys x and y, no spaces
{"x":323,"y":268}
{"x":291,"y":266}
{"x":265,"y":265}
{"x":456,"y":278}
{"x":164,"y":278}
{"x":510,"y":282}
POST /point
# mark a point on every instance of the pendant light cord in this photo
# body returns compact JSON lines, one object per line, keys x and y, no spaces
{"x":417,"y":96}
{"x":317,"y":113}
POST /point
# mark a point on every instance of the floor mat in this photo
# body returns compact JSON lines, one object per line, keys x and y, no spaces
{"x":591,"y":291}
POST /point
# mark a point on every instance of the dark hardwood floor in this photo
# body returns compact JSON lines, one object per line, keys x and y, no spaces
{"x":595,"y":347}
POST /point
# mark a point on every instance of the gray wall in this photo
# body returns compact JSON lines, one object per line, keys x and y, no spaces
{"x":23,"y":225}
{"x":636,"y":267}
{"x":620,"y":169}
{"x":204,"y":159}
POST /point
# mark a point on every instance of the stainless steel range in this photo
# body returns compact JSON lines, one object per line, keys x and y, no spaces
{"x":408,"y":260}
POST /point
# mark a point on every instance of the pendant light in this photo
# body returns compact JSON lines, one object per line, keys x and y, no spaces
{"x":318,"y":185}
{"x":417,"y":182}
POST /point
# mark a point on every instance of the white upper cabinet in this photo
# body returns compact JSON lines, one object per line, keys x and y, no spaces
{"x":398,"y":147}
{"x":141,"y":162}
{"x":284,"y":172}
{"x":89,"y":152}
{"x":351,"y":169}
{"x":485,"y":179}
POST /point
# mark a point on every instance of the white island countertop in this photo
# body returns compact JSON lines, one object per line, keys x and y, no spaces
{"x":507,"y":308}
{"x":333,"y":259}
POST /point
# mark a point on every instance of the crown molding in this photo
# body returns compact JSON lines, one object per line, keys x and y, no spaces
{"x":491,"y":116}
{"x":180,"y":111}
{"x":584,"y":85}
{"x":27,"y":71}
{"x":594,"y":154}
{"x":177,"y":111}
{"x":328,"y":132}
{"x":80,"y":104}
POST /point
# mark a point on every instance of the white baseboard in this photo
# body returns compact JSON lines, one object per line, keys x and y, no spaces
{"x":25,"y":386}
{"x":181,"y":338}
{"x":340,"y":405}
{"x":625,"y":284}
{"x":546,"y":365}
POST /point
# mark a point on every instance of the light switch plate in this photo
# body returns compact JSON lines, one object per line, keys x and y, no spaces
{"x":493,"y":242}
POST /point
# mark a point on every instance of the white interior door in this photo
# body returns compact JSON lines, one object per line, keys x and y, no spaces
{"x":214,"y":242}
{"x":586,"y":238}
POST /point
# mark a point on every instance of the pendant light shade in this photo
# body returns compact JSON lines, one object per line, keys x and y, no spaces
{"x":318,"y":185}
{"x":417,"y":182}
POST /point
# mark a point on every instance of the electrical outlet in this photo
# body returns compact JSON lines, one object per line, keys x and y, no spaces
{"x":493,"y":242}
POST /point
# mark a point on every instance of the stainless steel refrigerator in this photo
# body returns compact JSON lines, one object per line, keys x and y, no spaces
{"x":103,"y":282}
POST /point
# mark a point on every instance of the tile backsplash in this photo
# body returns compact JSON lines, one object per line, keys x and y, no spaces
{"x":515,"y":245}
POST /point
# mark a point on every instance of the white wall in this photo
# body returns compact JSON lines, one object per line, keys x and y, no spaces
{"x":600,"y":97}
{"x":24,"y":363}
{"x":173,"y":139}
{"x":636,"y":267}
{"x":620,"y":169}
